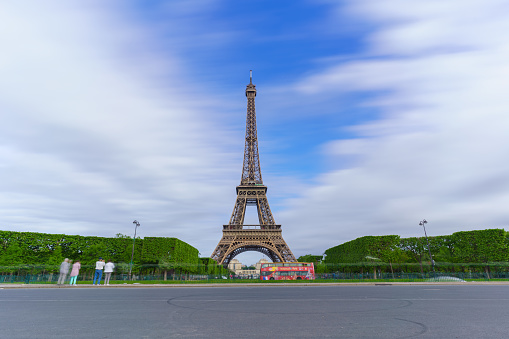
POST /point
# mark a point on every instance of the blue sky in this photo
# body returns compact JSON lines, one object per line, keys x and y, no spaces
{"x":371,"y":116}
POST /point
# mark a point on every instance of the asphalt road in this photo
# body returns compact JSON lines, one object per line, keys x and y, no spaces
{"x":464,"y":311}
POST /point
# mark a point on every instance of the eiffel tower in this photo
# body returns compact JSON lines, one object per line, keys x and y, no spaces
{"x":266,"y":237}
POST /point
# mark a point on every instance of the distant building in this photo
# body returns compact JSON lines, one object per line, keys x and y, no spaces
{"x":259,"y":264}
{"x":236,"y":266}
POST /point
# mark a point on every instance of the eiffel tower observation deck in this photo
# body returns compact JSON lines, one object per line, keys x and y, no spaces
{"x":265,"y":237}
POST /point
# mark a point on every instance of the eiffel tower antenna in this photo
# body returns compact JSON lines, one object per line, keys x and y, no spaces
{"x":266,"y":237}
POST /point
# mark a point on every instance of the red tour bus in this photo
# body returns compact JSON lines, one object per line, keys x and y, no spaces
{"x":287,"y":271}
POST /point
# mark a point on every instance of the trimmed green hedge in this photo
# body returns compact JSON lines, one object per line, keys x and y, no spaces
{"x":364,"y":249}
{"x":472,"y":250}
{"x":33,"y":249}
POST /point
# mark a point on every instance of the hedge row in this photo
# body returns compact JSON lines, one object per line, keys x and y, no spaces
{"x":31,"y":248}
{"x":477,"y":248}
{"x":484,"y":246}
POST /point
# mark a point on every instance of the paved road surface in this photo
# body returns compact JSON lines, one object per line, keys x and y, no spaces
{"x":435,"y":311}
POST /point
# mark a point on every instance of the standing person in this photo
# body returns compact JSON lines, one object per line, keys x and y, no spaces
{"x":108,"y":269}
{"x":99,"y":265}
{"x":64,"y":269}
{"x":74,"y":272}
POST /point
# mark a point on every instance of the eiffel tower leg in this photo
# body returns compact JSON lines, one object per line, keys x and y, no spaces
{"x":264,"y":214}
{"x":239,"y":211}
{"x":284,"y":250}
{"x":222,"y":248}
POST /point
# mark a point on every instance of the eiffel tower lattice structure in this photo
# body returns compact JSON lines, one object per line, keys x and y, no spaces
{"x":266,"y":237}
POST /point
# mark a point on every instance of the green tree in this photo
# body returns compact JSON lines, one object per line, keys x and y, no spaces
{"x":310,"y":258}
{"x":12,"y":258}
{"x":54,"y":261}
{"x":93,"y":253}
{"x":167,"y":264}
{"x":486,"y":246}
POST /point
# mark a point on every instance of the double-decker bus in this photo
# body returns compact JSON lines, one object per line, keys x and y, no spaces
{"x":287,"y":271}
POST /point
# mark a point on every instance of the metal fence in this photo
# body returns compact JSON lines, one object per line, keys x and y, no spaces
{"x":414,"y":276}
{"x":39,"y":278}
{"x":150,"y":273}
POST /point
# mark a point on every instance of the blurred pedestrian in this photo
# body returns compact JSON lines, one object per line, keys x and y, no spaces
{"x":99,"y":265}
{"x":64,"y":269}
{"x":74,"y":272}
{"x":108,"y":269}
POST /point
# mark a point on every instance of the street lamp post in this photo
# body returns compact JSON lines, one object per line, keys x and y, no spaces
{"x":136,"y":225}
{"x":422,"y":223}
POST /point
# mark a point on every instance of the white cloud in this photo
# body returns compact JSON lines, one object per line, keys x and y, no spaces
{"x":435,"y":25}
{"x":438,"y":74}
{"x":91,"y":139}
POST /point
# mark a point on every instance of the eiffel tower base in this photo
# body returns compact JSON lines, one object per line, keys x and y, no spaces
{"x":266,"y":239}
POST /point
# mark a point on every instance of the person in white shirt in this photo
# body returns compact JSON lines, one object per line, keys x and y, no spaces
{"x":108,"y":269}
{"x":99,"y":265}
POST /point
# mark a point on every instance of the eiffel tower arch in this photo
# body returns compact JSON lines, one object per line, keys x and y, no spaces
{"x":265,"y":237}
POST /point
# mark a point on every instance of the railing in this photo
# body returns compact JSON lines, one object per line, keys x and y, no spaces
{"x":27,"y":278}
{"x":251,"y":227}
{"x":427,"y":276}
{"x":48,"y":274}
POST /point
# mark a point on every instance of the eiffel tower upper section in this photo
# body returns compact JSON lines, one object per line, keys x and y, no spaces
{"x":251,"y":190}
{"x":251,"y":173}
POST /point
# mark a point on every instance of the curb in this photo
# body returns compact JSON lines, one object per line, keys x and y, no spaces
{"x":236,"y":285}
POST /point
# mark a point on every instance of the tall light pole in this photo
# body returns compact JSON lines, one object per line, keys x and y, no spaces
{"x":422,"y":223}
{"x":136,"y":225}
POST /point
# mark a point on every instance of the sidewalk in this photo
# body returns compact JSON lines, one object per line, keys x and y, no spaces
{"x":233,"y":285}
